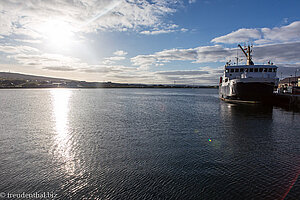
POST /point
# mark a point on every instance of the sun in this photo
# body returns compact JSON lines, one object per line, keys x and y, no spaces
{"x":57,"y":33}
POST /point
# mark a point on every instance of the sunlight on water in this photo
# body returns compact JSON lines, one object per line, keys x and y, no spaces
{"x":63,"y":143}
{"x":146,"y":144}
{"x":60,"y":111}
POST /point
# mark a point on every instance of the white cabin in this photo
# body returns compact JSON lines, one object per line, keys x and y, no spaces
{"x":250,"y":71}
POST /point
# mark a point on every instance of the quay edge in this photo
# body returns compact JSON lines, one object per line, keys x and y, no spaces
{"x":287,"y":100}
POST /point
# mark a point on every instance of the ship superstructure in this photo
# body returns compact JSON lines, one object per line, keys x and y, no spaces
{"x":248,"y":82}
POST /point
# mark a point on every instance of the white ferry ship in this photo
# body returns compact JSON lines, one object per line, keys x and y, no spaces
{"x":248,"y":82}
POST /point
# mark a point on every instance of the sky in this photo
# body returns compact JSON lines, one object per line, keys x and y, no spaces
{"x":143,"y":41}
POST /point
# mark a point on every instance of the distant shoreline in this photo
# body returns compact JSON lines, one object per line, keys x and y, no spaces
{"x":147,"y":87}
{"x":18,"y":81}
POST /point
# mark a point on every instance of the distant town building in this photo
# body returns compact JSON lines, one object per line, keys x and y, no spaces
{"x":289,"y":81}
{"x":56,"y":84}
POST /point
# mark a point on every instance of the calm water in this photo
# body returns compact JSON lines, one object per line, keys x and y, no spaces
{"x":146,"y":144}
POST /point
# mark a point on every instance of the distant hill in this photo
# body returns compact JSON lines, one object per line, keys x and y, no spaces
{"x":18,"y":76}
{"x":17,"y":80}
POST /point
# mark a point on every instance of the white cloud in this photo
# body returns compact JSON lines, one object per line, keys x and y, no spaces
{"x":8,"y":49}
{"x":156,"y":32}
{"x":48,"y":61}
{"x":120,"y":53}
{"x":214,"y":53}
{"x":277,"y":53}
{"x":289,"y":33}
{"x":177,"y":54}
{"x":111,"y":69}
{"x":22,"y":20}
{"x":183,"y":72}
{"x":286,"y":70}
{"x":197,"y":55}
{"x":143,"y":61}
{"x":241,"y":35}
{"x":108,"y":62}
{"x":26,"y":17}
{"x":112,"y":60}
{"x":116,"y":58}
{"x":56,"y":62}
{"x":28,"y":41}
{"x":202,"y":76}
{"x":163,"y":29}
{"x":184,"y":30}
{"x":60,"y":68}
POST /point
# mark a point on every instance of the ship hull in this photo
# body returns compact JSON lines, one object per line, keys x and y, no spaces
{"x":254,"y":91}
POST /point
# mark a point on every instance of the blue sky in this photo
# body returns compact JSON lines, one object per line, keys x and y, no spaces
{"x":139,"y":41}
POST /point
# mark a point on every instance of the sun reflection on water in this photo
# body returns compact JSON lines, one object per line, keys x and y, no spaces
{"x":62,"y":140}
{"x":60,"y":110}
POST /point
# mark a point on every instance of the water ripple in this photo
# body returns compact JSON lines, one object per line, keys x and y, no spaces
{"x":146,"y":144}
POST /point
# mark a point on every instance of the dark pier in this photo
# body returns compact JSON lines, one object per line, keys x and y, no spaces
{"x":286,"y":100}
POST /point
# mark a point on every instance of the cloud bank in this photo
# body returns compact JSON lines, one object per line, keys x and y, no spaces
{"x":27,"y":17}
{"x":21,"y":35}
{"x":288,"y":33}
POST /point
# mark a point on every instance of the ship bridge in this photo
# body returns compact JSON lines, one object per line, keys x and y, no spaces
{"x":250,"y":71}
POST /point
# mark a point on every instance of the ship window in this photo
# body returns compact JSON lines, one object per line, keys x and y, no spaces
{"x":246,"y":70}
{"x":270,"y":69}
{"x":236,"y":70}
{"x":261,"y":69}
{"x":251,"y":69}
{"x":242,"y":69}
{"x":231,"y":70}
{"x":274,"y":70}
{"x":255,"y":69}
{"x":226,"y":70}
{"x":265,"y":69}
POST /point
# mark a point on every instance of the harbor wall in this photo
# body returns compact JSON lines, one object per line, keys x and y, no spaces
{"x":290,"y":100}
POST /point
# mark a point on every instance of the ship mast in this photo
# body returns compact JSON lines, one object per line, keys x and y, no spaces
{"x":248,"y":55}
{"x":237,"y":58}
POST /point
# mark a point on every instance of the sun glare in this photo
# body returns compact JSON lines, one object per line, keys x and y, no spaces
{"x":63,"y":147}
{"x":58,"y":34}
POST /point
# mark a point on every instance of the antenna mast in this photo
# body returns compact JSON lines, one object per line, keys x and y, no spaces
{"x":247,"y":54}
{"x":237,"y":58}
